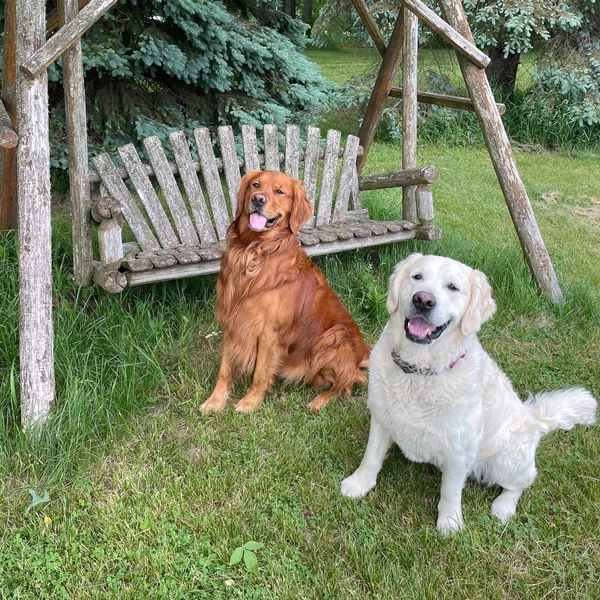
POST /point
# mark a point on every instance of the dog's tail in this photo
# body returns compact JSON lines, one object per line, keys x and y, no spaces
{"x":562,"y":409}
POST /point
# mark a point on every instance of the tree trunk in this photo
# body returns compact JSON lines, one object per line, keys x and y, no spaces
{"x":307,"y":11}
{"x":502,"y":72}
{"x":290,"y":7}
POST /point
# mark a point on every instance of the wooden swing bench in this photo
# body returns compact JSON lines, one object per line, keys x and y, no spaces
{"x":179,"y":234}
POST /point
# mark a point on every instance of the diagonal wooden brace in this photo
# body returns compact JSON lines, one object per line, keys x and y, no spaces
{"x":503,"y":160}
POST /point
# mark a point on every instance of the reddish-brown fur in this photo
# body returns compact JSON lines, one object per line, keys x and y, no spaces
{"x":279,"y":316}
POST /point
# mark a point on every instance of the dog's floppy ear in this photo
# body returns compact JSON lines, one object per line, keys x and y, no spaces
{"x":481,"y":304}
{"x":241,"y":195}
{"x":400,"y":272}
{"x":301,"y":208}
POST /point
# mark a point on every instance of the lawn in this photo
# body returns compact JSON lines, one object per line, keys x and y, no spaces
{"x":149,"y":498}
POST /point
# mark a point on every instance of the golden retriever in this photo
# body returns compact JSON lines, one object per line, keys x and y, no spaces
{"x":279,"y":316}
{"x":435,"y":392}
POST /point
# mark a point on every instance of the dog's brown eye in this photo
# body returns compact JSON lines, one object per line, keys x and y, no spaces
{"x":452,"y":287}
{"x":256,"y":184}
{"x":417,"y":276}
{"x":279,"y":192}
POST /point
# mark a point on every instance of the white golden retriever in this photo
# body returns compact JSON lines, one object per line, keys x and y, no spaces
{"x":435,"y":392}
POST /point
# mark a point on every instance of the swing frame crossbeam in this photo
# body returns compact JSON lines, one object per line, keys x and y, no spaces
{"x":24,"y":138}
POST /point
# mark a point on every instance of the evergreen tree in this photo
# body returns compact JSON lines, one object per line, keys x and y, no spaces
{"x":160,"y":65}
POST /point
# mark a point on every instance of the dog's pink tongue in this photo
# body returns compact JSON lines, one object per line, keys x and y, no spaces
{"x":257,"y":221}
{"x":419,"y":327}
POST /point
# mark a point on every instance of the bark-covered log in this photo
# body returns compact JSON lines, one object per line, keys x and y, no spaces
{"x":64,"y":38}
{"x":463,"y":45}
{"x":36,"y":343}
{"x":409,"y":111}
{"x":380,"y":181}
{"x":8,"y":174}
{"x":443,"y":100}
{"x":504,"y":161}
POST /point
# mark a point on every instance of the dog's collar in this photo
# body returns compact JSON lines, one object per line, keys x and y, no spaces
{"x":415,"y":370}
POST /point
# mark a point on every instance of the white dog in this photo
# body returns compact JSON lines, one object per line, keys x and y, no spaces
{"x":435,"y":392}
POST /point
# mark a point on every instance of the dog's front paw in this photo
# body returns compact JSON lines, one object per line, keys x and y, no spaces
{"x":213,"y":404}
{"x":247,"y":404}
{"x":449,"y":522}
{"x":356,"y":486}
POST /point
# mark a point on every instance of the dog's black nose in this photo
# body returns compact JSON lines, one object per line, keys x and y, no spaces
{"x":423,"y":301}
{"x":258,"y":200}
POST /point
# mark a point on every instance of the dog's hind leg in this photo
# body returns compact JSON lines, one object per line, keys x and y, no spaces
{"x":365,"y":477}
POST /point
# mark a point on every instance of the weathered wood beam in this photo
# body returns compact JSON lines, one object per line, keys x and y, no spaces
{"x":460,"y":43}
{"x":54,"y":21}
{"x":444,"y":100}
{"x":63,"y":39}
{"x":381,"y":89}
{"x":407,"y":177}
{"x":504,"y":161}
{"x":36,"y":344}
{"x":8,"y":136}
{"x":370,"y":25}
{"x":8,"y":173}
{"x":79,"y":187}
{"x":409,"y":111}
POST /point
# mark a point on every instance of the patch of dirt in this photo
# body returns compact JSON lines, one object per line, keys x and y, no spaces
{"x":591,"y":208}
{"x":193,"y":453}
{"x":550,"y":197}
{"x":541,"y":322}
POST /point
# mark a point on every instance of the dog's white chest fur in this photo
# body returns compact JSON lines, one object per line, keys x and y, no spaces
{"x":427,"y":425}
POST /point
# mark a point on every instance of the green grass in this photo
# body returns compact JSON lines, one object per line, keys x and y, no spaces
{"x":148,"y":498}
{"x":529,"y":119}
{"x":342,"y":64}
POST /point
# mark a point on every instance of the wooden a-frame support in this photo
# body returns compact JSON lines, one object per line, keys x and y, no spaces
{"x":455,"y":30}
{"x":33,"y":56}
{"x":26,"y":27}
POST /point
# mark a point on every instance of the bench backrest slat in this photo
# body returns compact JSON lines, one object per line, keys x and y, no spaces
{"x":231,"y":164}
{"x":311,"y":161}
{"x":148,"y":196}
{"x":251,"y":161}
{"x":292,"y":151}
{"x":118,"y":190}
{"x":193,"y":191}
{"x":271,"y":148}
{"x":346,"y":177}
{"x":210,"y":173}
{"x":328,"y":180}
{"x":166,"y":180}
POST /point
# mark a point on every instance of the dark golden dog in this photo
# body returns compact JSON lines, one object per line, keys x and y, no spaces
{"x":279,"y":316}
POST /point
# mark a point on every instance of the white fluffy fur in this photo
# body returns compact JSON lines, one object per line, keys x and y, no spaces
{"x":466,"y":420}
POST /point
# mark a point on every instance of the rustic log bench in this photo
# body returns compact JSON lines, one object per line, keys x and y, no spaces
{"x":177,"y":233}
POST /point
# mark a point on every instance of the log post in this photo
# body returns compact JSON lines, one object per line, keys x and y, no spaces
{"x":409,"y":110}
{"x":503,"y":160}
{"x":36,"y":348}
{"x":383,"y":84}
{"x":8,"y":172}
{"x":79,"y":187}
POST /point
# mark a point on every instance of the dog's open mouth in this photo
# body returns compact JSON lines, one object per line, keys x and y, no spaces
{"x":420,"y":331}
{"x":259,"y":222}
